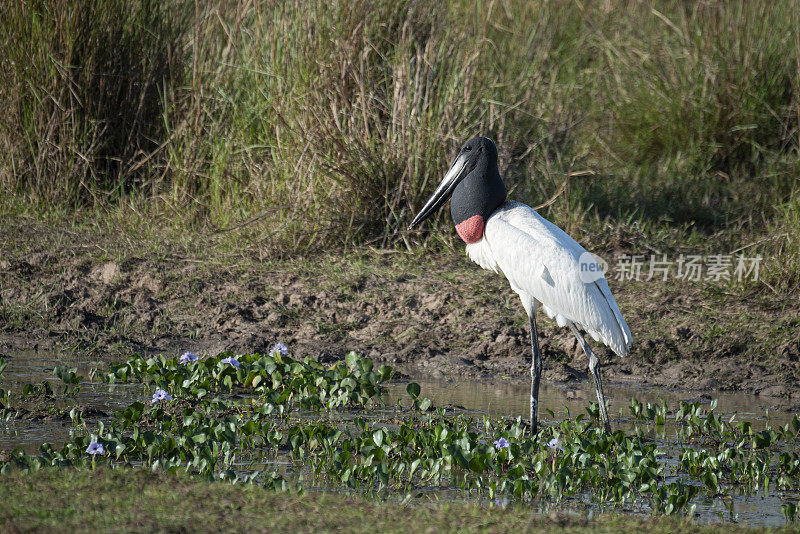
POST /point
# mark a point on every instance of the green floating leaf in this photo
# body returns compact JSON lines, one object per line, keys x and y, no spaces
{"x":351,"y":358}
{"x":413,"y":389}
{"x":385,"y":373}
{"x":365,"y":365}
{"x":67,"y":375}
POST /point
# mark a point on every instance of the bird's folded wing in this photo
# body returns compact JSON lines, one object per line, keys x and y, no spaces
{"x":542,"y":262}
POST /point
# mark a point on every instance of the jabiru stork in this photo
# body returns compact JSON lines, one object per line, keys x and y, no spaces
{"x":542,"y":263}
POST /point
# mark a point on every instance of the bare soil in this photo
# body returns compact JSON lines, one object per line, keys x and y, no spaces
{"x":433,"y":313}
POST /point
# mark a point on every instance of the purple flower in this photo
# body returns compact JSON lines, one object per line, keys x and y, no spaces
{"x":160,"y":395}
{"x":231,"y":360}
{"x":95,"y":448}
{"x":280,"y":347}
{"x":501,"y":443}
{"x":188,"y":357}
{"x":555,"y":443}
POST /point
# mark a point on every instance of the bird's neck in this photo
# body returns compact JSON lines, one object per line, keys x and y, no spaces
{"x":474,"y":200}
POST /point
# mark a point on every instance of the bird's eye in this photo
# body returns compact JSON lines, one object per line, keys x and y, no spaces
{"x":467,"y":148}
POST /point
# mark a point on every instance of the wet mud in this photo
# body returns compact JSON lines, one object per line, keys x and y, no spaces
{"x":434,"y":315}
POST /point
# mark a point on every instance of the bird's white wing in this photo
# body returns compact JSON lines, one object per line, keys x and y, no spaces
{"x":543,"y":263}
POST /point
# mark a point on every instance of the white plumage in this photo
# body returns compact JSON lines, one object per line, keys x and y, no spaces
{"x":543,"y":265}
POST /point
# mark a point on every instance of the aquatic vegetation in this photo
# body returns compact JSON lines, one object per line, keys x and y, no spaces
{"x":95,"y":448}
{"x":70,"y":378}
{"x":290,"y":424}
{"x":555,"y":443}
{"x":41,"y":390}
{"x":188,"y":357}
{"x":501,"y":443}
{"x":230,"y":360}
{"x":160,"y":395}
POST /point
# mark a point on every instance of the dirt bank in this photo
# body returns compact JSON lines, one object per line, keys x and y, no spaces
{"x":436,"y":314}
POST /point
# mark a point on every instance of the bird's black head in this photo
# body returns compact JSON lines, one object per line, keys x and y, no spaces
{"x":481,"y":145}
{"x":476,"y":187}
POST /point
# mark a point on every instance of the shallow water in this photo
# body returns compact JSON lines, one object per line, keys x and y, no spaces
{"x":29,"y":367}
{"x":510,"y":399}
{"x":495,"y":397}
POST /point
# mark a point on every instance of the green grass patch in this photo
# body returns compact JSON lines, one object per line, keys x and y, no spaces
{"x":139,"y":501}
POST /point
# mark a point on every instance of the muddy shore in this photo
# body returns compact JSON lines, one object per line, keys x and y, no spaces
{"x":434,"y":314}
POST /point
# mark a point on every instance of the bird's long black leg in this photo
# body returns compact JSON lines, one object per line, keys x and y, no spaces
{"x":536,"y":372}
{"x":594,"y":368}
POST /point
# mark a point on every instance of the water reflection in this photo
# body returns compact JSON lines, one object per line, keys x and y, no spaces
{"x":506,"y":398}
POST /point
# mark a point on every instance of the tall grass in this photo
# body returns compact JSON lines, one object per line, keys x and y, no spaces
{"x":329,"y":123}
{"x":81,"y":95}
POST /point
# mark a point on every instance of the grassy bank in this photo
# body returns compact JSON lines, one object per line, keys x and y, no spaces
{"x":81,"y":500}
{"x":330,"y":124}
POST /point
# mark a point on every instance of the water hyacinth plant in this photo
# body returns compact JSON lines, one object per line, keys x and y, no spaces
{"x":95,"y":448}
{"x":231,"y":361}
{"x":238,"y":420}
{"x":555,"y":444}
{"x":188,"y":357}
{"x":161,"y":395}
{"x":501,"y":443}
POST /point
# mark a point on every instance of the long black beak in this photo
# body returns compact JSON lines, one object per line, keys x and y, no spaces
{"x":457,"y":171}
